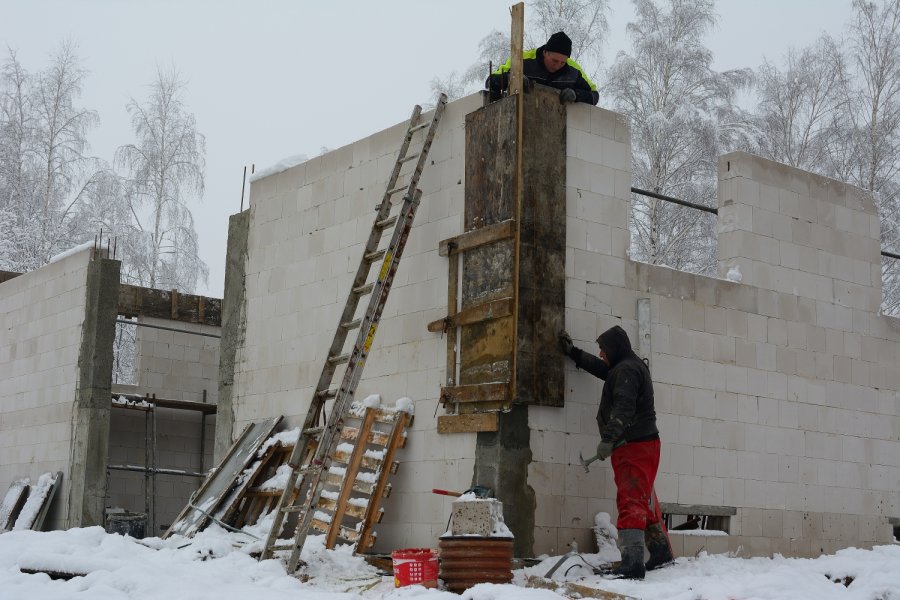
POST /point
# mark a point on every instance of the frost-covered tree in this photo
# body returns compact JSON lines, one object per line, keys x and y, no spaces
{"x":866,"y":152}
{"x":166,"y":167}
{"x":584,"y":21}
{"x":683,"y":115}
{"x":44,"y":166}
{"x":798,"y":104}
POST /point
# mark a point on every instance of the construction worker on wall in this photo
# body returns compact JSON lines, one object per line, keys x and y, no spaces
{"x":628,"y":434}
{"x":552,"y":66}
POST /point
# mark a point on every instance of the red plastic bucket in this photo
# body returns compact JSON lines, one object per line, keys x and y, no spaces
{"x":415,"y":566}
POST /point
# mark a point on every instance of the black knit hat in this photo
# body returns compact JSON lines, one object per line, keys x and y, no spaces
{"x":559,"y":42}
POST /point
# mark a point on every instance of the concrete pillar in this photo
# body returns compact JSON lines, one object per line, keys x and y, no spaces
{"x":90,"y":419}
{"x":234,"y":326}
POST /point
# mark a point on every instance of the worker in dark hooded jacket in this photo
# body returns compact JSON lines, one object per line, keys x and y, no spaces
{"x":628,"y":433}
{"x":552,"y":66}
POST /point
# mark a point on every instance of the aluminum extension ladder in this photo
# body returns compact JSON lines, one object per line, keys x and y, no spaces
{"x":355,"y":361}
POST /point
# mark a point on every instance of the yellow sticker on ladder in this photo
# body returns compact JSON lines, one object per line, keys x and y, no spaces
{"x":369,"y":338}
{"x":385,"y":266}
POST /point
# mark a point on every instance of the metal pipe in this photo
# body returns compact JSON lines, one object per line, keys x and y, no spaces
{"x":158,"y":471}
{"x":152,"y":517}
{"x":243,"y":187}
{"x":202,"y":433}
{"x":148,"y":501}
{"x":136,"y":324}
{"x":708,"y":209}
{"x":714,"y":210}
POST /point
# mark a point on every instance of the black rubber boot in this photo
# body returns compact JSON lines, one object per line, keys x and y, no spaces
{"x":658,"y":544}
{"x":632,"y":565}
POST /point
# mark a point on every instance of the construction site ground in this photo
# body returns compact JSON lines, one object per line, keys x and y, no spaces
{"x":217,"y":564}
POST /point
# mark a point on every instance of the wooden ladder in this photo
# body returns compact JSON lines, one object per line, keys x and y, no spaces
{"x":355,"y":360}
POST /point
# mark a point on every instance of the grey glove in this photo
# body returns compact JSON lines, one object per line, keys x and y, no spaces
{"x":567,"y":95}
{"x":604,"y":450}
{"x":565,"y":343}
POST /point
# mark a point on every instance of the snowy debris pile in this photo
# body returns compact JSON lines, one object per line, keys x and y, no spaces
{"x":215,"y":564}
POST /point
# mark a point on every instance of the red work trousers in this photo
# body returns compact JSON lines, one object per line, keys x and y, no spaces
{"x":634,"y":467}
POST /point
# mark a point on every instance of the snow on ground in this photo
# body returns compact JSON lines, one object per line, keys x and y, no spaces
{"x":216,"y":565}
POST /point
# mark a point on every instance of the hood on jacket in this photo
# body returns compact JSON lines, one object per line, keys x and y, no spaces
{"x":614,"y":341}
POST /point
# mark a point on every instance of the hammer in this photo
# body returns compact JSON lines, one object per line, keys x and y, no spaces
{"x":586,"y":462}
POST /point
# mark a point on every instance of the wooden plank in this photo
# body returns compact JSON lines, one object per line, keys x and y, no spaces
{"x":373,"y":512}
{"x":353,"y":465}
{"x":570,"y":589}
{"x":13,"y":502}
{"x":482,"y":392}
{"x":474,"y":238}
{"x":452,"y":303}
{"x":137,"y":301}
{"x":215,"y":487}
{"x":7,"y":275}
{"x":670,"y":508}
{"x":349,"y":509}
{"x":479,"y":313}
{"x":540,"y":305}
{"x":517,"y":44}
{"x":378,"y":438}
{"x":468,"y":423}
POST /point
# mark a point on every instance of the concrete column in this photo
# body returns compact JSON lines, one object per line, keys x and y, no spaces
{"x":501,"y":463}
{"x":90,"y":419}
{"x":234,"y":326}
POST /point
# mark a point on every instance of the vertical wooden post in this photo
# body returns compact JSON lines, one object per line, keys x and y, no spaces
{"x":452,"y":302}
{"x":517,"y":36}
{"x":516,"y":78}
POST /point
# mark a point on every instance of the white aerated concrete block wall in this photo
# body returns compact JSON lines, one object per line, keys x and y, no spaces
{"x":777,"y":396}
{"x":308,"y":225}
{"x":177,"y":365}
{"x":41,"y":316}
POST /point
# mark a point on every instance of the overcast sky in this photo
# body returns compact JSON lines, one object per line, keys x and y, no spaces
{"x":274,"y":78}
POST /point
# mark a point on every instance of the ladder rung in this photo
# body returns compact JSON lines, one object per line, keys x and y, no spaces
{"x":397,"y":189}
{"x":420,"y":126}
{"x":409,"y":158}
{"x":364,"y":289}
{"x":326,"y":393}
{"x":294,"y":508}
{"x":338,"y":360}
{"x":386,"y":223}
{"x":313,"y":431}
{"x":373,"y":256}
{"x":351,"y":324}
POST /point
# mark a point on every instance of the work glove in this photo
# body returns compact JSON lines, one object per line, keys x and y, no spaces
{"x":565,"y":343}
{"x":567,"y":95}
{"x":604,"y":450}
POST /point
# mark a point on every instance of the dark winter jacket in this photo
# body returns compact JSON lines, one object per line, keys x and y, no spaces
{"x":570,"y":76}
{"x":626,"y":411}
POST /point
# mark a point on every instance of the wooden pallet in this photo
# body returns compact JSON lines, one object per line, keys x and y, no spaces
{"x":357,"y":482}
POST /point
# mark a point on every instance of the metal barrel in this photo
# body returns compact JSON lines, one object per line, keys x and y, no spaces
{"x":466,"y":561}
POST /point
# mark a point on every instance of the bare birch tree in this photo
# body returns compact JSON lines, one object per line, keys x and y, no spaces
{"x":797,"y":106}
{"x":44,"y":166}
{"x":683,"y":114}
{"x":867,"y":151}
{"x":166,"y":167}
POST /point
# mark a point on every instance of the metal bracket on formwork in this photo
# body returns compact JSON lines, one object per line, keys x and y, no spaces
{"x":643,"y":318}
